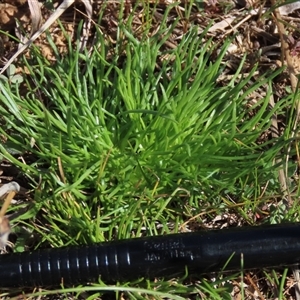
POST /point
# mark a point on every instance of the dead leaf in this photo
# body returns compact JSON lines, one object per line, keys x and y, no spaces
{"x":221,"y":25}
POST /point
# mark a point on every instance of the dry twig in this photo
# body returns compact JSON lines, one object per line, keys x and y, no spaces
{"x":285,"y":53}
{"x":58,"y":12}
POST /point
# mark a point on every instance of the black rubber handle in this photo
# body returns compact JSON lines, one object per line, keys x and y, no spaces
{"x":150,"y":257}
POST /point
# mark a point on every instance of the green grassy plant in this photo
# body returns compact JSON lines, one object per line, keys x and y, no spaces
{"x":123,"y":143}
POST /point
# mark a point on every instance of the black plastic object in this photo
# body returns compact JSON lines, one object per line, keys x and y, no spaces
{"x":150,"y":257}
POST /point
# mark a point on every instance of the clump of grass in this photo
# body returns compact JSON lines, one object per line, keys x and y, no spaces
{"x":137,"y":143}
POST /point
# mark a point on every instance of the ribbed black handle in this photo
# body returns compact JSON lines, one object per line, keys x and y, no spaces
{"x":150,"y":257}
